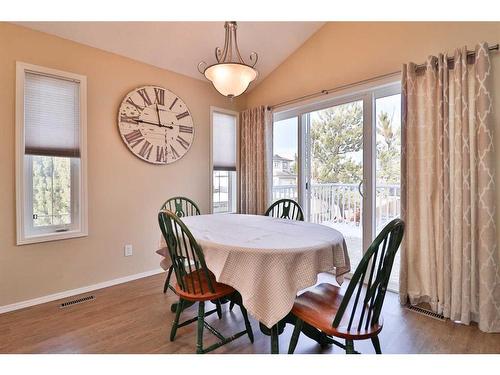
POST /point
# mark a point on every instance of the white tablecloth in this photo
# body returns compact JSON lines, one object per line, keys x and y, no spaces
{"x":268,"y":260}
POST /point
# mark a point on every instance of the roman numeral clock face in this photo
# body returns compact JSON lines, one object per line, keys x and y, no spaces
{"x":155,"y":124}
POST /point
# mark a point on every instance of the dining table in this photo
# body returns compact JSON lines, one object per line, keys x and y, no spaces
{"x":268,"y":261}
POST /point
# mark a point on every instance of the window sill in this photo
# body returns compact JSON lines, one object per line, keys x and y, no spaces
{"x":46,"y":237}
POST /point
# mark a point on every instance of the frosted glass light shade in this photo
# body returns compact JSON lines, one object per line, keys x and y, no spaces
{"x":230,"y":79}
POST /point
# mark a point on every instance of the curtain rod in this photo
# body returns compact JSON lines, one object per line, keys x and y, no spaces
{"x":494,"y":47}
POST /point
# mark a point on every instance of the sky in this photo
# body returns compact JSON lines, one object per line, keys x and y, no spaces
{"x":285,"y":138}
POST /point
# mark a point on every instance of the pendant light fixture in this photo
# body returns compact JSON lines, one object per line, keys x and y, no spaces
{"x":230,"y":75}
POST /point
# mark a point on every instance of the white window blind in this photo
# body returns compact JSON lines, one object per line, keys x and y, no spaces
{"x":51,"y":116}
{"x":224,"y":142}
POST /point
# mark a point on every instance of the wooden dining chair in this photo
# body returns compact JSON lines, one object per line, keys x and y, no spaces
{"x":182,"y":207}
{"x":334,"y":314}
{"x":285,"y":209}
{"x":195,"y":282}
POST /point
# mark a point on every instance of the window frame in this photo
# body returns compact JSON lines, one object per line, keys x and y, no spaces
{"x":213,"y":110}
{"x":24,"y":166}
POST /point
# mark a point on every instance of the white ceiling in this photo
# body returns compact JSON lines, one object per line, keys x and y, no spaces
{"x":180,"y":46}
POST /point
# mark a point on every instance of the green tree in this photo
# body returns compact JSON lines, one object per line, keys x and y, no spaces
{"x":42,"y":189}
{"x":388,"y":150}
{"x":62,"y":191}
{"x":384,"y":128}
{"x":51,"y":190}
{"x":336,"y":135}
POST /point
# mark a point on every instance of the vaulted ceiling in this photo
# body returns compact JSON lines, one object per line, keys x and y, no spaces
{"x":180,"y":46}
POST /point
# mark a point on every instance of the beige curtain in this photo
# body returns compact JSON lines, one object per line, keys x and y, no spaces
{"x":449,"y":255}
{"x":255,"y":161}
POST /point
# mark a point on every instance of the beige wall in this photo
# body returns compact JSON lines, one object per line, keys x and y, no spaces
{"x":346,"y":52}
{"x":343,"y":53}
{"x":124,"y":192}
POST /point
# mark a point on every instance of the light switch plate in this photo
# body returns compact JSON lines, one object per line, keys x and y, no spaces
{"x":128,"y":250}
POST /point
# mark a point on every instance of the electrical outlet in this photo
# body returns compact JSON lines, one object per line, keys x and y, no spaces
{"x":128,"y":251}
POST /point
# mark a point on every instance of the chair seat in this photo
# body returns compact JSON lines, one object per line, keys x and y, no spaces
{"x":318,"y":307}
{"x":192,"y":281}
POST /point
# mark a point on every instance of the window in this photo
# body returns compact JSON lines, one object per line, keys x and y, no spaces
{"x":51,"y":154}
{"x":224,"y":161}
{"x":344,"y":153}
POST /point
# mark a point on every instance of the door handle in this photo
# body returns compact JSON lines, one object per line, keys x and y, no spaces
{"x":359,"y":188}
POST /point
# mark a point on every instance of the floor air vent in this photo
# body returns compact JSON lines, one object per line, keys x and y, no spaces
{"x":76,"y":301}
{"x":425,"y":312}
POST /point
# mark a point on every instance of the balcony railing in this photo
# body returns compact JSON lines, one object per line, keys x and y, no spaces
{"x":342,"y":203}
{"x":340,"y":206}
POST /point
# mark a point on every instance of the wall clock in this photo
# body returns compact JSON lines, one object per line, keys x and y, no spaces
{"x":155,"y":124}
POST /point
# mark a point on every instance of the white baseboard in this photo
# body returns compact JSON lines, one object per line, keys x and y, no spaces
{"x":73,"y":292}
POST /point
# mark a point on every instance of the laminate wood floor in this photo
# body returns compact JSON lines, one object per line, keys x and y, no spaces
{"x":135,"y":317}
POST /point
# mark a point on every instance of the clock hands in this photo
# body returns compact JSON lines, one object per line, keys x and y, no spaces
{"x":159,"y":124}
{"x":154,"y":123}
{"x":158,"y":114}
{"x":171,"y":126}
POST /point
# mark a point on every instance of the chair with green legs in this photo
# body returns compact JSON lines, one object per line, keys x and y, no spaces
{"x":333,"y":314}
{"x":195,"y":282}
{"x":182,"y":207}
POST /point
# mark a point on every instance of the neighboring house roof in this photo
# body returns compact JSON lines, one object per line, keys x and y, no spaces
{"x":284,"y":174}
{"x":278,"y":157}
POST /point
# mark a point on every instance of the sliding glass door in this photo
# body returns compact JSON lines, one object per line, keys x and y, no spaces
{"x":335,"y":171}
{"x":341,"y":160}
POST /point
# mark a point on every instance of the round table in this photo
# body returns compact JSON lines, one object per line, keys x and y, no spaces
{"x":268,"y":260}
